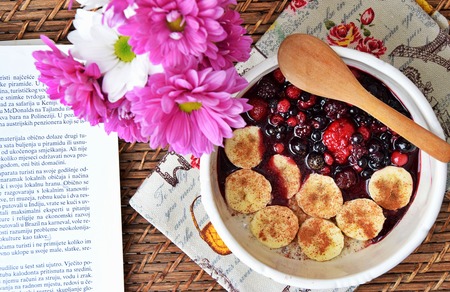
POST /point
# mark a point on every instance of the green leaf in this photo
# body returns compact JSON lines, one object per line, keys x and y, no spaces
{"x":329,"y":24}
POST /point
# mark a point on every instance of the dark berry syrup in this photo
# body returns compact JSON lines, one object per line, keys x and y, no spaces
{"x":327,"y":137}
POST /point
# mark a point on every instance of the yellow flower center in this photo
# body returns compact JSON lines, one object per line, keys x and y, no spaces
{"x":123,"y":50}
{"x":176,"y":25}
{"x":189,"y":107}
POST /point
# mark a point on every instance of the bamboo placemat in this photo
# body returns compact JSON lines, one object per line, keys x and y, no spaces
{"x":151,"y":261}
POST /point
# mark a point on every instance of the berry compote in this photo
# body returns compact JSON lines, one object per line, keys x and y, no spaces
{"x":327,"y":137}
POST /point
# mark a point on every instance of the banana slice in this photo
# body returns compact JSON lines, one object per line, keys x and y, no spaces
{"x":274,"y":226}
{"x":319,"y":196}
{"x":320,"y":239}
{"x":391,"y":187}
{"x":361,"y":219}
{"x":288,"y":173}
{"x":247,"y":191}
{"x":245,"y":149}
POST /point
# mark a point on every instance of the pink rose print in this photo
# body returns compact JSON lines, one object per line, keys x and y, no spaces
{"x":296,"y":4}
{"x":371,"y":45}
{"x":367,"y":16}
{"x":195,"y":162}
{"x":344,"y":34}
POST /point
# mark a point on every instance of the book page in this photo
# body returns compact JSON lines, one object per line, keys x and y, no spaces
{"x":60,"y":213}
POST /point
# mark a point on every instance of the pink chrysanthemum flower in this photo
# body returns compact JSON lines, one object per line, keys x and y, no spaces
{"x":235,"y":47}
{"x":190,"y":111}
{"x":121,"y":120}
{"x":70,"y":82}
{"x":116,"y":8}
{"x":174,"y":29}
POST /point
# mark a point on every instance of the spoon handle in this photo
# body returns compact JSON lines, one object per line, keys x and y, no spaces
{"x":405,"y":127}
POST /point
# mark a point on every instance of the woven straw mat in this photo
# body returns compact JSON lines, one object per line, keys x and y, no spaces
{"x":151,"y":261}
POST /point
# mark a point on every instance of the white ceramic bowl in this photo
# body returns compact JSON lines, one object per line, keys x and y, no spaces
{"x":355,"y":268}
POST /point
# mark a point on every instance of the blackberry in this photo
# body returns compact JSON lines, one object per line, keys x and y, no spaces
{"x":335,"y":109}
{"x":267,"y":89}
{"x":345,"y":179}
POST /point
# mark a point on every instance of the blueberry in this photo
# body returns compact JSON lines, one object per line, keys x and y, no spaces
{"x":316,"y":135}
{"x":298,"y":146}
{"x":366,"y":173}
{"x":362,"y":162}
{"x":305,"y":96}
{"x":270,"y":130}
{"x":356,"y":138}
{"x":386,"y":138}
{"x":273,"y":103}
{"x":315,"y":161}
{"x":374,"y":165}
{"x":354,"y":110}
{"x":374,"y":146}
{"x":403,"y":145}
{"x":293,"y":111}
{"x":319,"y":147}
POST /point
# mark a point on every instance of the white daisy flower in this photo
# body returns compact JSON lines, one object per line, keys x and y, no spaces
{"x":95,"y":42}
{"x":90,"y":4}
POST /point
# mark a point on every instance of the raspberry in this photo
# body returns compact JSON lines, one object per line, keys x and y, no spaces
{"x":259,"y":110}
{"x":279,"y":77}
{"x":283,"y":106}
{"x":337,"y":139}
{"x":398,"y":158}
{"x":293,"y":92}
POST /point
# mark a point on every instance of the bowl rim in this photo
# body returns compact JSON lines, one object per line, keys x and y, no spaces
{"x":437,"y":189}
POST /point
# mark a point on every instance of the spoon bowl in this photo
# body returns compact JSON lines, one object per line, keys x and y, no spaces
{"x":311,"y":65}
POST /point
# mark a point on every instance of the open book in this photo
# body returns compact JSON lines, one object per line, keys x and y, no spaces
{"x":60,"y":223}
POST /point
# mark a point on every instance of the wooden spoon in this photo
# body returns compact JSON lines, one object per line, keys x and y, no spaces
{"x":311,"y":65}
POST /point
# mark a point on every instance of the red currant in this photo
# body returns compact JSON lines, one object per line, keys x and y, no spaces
{"x":328,"y":158}
{"x":276,"y":119}
{"x":365,"y":132}
{"x":278,"y":75}
{"x":283,"y":106}
{"x":292,"y":121}
{"x":398,"y":158}
{"x":293,"y":92}
{"x":278,"y":148}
